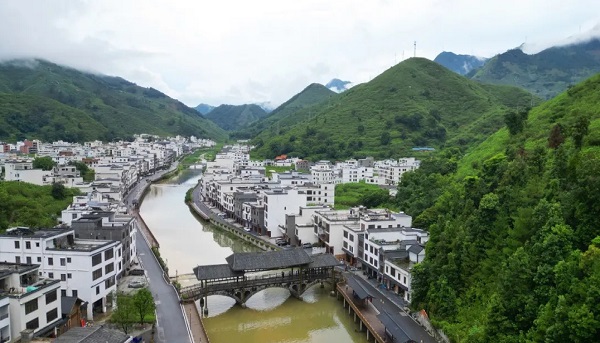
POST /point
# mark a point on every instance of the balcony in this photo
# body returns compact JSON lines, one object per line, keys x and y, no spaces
{"x":28,"y":289}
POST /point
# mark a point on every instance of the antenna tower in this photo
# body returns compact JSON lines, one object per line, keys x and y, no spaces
{"x":415,"y":53}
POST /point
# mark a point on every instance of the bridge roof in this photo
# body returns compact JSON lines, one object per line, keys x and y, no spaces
{"x":323,"y":260}
{"x":215,"y":271}
{"x":268,"y":260}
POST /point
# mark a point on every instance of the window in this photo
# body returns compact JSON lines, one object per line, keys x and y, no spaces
{"x":17,"y":245}
{"x":27,"y":245}
{"x":31,"y":306}
{"x":32,"y":324}
{"x":63,"y":262}
{"x":74,"y":292}
{"x":345,"y":234}
{"x":97,"y":274}
{"x":37,"y":244}
{"x":63,"y":292}
{"x":18,"y":259}
{"x":393,"y":272}
{"x":63,"y":277}
{"x":51,"y":275}
{"x":68,"y":260}
{"x":50,"y":297}
{"x":97,"y":290}
{"x":108,"y":254}
{"x":109,"y":282}
{"x":50,"y":261}
{"x":109,"y":268}
{"x":39,"y":259}
{"x":51,"y":315}
{"x":28,"y":259}
{"x":404,"y":280}
{"x":96,"y":259}
{"x":69,"y":275}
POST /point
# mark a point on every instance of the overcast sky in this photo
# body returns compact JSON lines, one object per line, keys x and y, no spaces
{"x":256,"y":51}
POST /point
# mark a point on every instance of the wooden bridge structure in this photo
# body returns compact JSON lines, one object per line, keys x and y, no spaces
{"x":246,"y":274}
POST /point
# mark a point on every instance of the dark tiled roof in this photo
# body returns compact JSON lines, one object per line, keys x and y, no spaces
{"x":92,"y":335}
{"x":217,"y":271}
{"x":268,"y":260}
{"x":415,"y":249}
{"x":323,"y":260}
{"x":66,"y":304}
{"x":398,"y":334}
{"x":396,"y":255}
{"x":361,"y":292}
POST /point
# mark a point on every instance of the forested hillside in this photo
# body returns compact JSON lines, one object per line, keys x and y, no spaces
{"x":546,"y":73}
{"x":25,"y":204}
{"x":39,"y":99}
{"x":296,"y":109}
{"x":415,"y":103}
{"x":514,"y":254}
{"x":235,"y":117}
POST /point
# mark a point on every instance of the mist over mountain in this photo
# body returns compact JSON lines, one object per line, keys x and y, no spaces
{"x":204,"y":108}
{"x":338,"y":85}
{"x":460,"y":64}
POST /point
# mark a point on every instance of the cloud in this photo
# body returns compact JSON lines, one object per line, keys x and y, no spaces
{"x":267,"y":50}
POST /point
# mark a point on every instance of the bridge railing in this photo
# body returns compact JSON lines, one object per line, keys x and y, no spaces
{"x":255,"y":281}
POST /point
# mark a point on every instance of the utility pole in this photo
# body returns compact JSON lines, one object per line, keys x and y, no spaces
{"x":415,"y":52}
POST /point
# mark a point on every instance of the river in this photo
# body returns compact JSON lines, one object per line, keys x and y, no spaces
{"x":271,"y":315}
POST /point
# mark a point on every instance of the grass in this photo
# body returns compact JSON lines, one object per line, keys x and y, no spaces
{"x":269,"y":170}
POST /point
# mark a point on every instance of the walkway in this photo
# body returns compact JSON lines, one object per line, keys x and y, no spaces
{"x":196,"y":325}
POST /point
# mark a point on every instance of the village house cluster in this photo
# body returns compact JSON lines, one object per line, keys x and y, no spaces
{"x":297,"y":208}
{"x":53,"y":278}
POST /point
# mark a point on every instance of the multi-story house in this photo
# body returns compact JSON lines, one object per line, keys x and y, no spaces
{"x":30,"y":304}
{"x":278,"y":203}
{"x":86,"y":268}
{"x":110,"y":226}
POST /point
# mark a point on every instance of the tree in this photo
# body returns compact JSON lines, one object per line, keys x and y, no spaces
{"x":44,"y":163}
{"x":515,"y":121}
{"x":86,"y":173}
{"x":385,"y":138}
{"x":124,"y":315}
{"x":556,"y":138}
{"x":143,"y":303}
{"x":580,"y":130}
{"x":58,"y":191}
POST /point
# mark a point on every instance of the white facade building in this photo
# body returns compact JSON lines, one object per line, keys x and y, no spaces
{"x":86,"y":268}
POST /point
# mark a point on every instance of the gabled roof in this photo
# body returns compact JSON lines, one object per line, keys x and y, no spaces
{"x":323,"y":260}
{"x":360,"y":291}
{"x":97,"y":334}
{"x":394,"y":328}
{"x":217,"y":271}
{"x":416,"y":249}
{"x":67,"y":303}
{"x":268,"y":260}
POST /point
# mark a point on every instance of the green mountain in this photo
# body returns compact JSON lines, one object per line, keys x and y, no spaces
{"x":290,"y":112}
{"x":39,"y":99}
{"x":514,"y":249}
{"x":546,"y":73}
{"x":461,"y":64}
{"x":415,"y":103}
{"x":231,"y":117}
{"x":204,"y":108}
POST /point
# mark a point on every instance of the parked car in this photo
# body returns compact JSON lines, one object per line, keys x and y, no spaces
{"x":306,"y":245}
{"x":136,"y":284}
{"x":136,"y":272}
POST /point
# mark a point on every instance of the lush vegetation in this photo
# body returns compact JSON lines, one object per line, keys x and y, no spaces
{"x":356,"y":194}
{"x":25,"y":204}
{"x":231,"y":117}
{"x":131,"y":309}
{"x":415,"y":103}
{"x":42,"y":100}
{"x":296,"y":109}
{"x":43,"y":163}
{"x":88,"y":174}
{"x":514,"y":253}
{"x":546,"y":73}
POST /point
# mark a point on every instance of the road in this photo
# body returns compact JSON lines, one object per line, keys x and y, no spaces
{"x":171,"y":325}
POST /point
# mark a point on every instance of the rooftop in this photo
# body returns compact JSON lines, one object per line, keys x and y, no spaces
{"x":92,"y":334}
{"x":34,"y":233}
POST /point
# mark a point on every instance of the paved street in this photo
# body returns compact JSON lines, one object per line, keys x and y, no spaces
{"x":170,"y":322}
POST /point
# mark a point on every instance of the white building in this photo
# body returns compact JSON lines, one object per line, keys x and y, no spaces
{"x":278,"y":203}
{"x":86,"y":268}
{"x":23,"y":171}
{"x":34,"y":302}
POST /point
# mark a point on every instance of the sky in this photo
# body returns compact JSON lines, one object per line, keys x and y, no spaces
{"x":237,"y":52}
